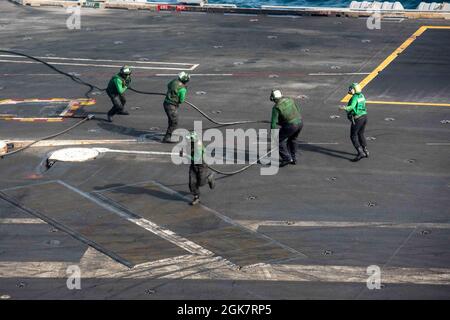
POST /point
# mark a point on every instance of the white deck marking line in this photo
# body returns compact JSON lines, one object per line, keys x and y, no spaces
{"x":302,"y":143}
{"x":339,"y":74}
{"x":166,"y":261}
{"x":241,"y":14}
{"x":106,"y":150}
{"x":194,"y":67}
{"x":21,"y":221}
{"x":146,"y":224}
{"x":104,"y":60}
{"x":30,"y":74}
{"x":99,"y":65}
{"x":197,"y":74}
{"x":438,"y":143}
{"x":374,"y":171}
{"x":54,"y":143}
{"x":66,"y":110}
{"x":187,"y":268}
{"x":231,"y":221}
{"x":255,"y":224}
{"x":29,"y":185}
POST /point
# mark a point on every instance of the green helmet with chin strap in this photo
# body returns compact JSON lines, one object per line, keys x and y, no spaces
{"x":355,"y":86}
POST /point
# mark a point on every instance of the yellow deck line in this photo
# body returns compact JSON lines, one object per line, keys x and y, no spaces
{"x":411,"y":103}
{"x":394,"y":55}
{"x":437,"y":27}
{"x":73,"y":106}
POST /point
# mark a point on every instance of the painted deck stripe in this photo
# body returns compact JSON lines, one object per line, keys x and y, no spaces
{"x":197,"y":74}
{"x":426,"y":104}
{"x":255,"y":224}
{"x":302,"y":143}
{"x":339,"y":74}
{"x":72,"y":106}
{"x":144,"y":223}
{"x":438,"y":143}
{"x":104,"y":60}
{"x":393,"y":55}
{"x":56,"y":143}
{"x":29,"y":185}
{"x":207,"y":268}
{"x":100,"y":65}
{"x":388,"y":60}
{"x":229,"y":220}
{"x":21,"y":221}
{"x":135,"y":152}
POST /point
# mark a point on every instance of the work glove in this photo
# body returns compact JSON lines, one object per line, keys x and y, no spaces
{"x":128,"y":81}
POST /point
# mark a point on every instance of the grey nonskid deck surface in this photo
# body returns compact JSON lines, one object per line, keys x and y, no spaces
{"x":121,"y":239}
{"x":309,"y":231}
{"x":198,"y":224}
{"x":408,"y":78}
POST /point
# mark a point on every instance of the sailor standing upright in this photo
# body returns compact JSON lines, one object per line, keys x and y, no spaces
{"x":357,"y":114}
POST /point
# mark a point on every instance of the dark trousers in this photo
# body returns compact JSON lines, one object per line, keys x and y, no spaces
{"x":118,"y":102}
{"x":172,"y":116}
{"x":198,"y":176}
{"x":287,"y":141}
{"x":357,"y":132}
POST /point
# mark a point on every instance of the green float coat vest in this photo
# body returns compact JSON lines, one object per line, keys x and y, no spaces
{"x":173,"y":90}
{"x":288,"y":112}
{"x":357,"y":105}
{"x":116,"y":85}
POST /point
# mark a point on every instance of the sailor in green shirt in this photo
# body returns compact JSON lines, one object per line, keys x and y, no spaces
{"x":117,"y":86}
{"x":357,"y":114}
{"x":176,"y":94}
{"x":286,"y":113}
{"x":199,"y":173}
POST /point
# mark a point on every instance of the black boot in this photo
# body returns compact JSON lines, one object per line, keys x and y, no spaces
{"x":109,"y":117}
{"x":167,"y":138}
{"x":123,"y":113}
{"x":195,"y":201}
{"x":284,"y":163}
{"x":366,"y":151}
{"x":211,"y":181}
{"x":360,"y":155}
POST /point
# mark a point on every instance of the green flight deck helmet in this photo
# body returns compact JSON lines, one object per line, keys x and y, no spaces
{"x":354,"y":86}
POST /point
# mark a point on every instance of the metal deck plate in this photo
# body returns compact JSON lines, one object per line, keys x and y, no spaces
{"x":93,"y":224}
{"x":197,"y":224}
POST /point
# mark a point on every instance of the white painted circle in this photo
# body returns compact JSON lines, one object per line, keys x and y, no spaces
{"x":74,"y":154}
